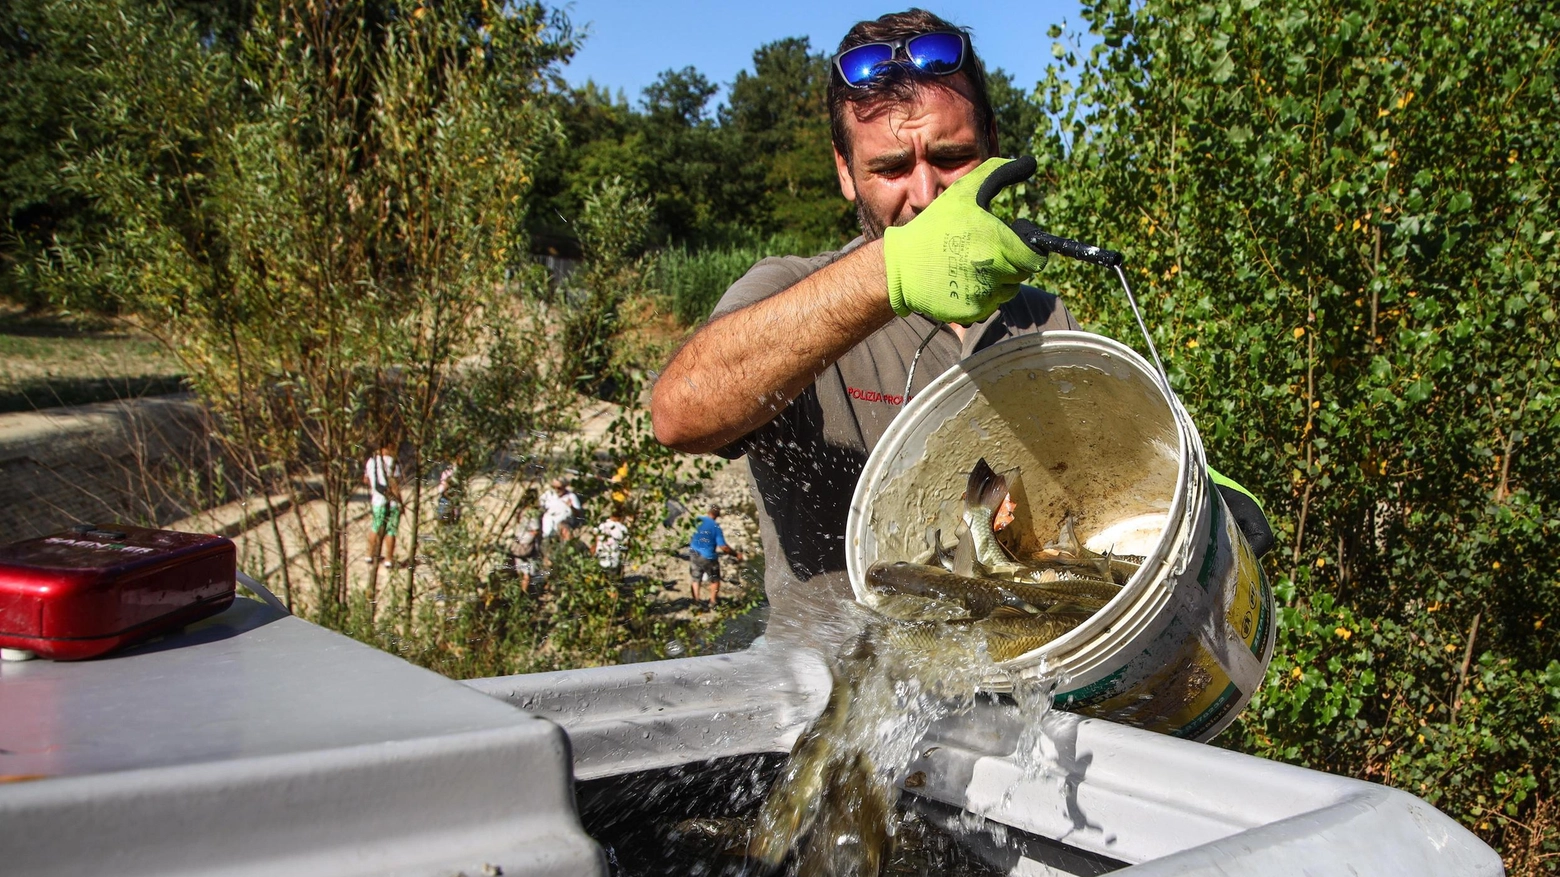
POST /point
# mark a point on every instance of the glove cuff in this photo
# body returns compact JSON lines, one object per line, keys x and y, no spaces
{"x":896,"y":295}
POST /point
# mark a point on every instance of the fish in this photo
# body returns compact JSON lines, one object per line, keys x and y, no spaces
{"x":983,"y":495}
{"x":1066,"y":552}
{"x":1065,"y":588}
{"x":912,"y":607}
{"x":936,"y":554}
{"x":829,"y":796}
{"x":791,"y":806}
{"x":979,"y":597}
{"x":728,"y":835}
{"x":853,"y":833}
{"x":941,"y":556}
{"x":1007,"y":633}
{"x":1009,"y":636}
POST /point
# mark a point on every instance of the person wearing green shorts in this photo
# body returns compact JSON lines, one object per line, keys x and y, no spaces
{"x":382,"y":474}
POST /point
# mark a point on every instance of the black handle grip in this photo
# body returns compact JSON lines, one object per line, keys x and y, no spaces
{"x":1041,"y":242}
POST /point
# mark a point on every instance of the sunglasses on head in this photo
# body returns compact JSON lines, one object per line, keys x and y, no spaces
{"x":939,"y":53}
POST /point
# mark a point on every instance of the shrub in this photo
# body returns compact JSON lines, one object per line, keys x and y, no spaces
{"x":691,"y":281}
{"x":1339,"y":218}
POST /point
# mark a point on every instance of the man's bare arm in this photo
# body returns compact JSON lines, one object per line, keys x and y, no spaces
{"x":737,"y":373}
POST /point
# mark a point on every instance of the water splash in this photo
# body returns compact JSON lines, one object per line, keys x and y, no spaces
{"x":832,"y":809}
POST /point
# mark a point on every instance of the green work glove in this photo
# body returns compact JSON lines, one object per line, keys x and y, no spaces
{"x":955,"y":262}
{"x":1246,"y":510}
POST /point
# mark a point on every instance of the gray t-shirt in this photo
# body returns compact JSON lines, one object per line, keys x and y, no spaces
{"x":805,"y":462}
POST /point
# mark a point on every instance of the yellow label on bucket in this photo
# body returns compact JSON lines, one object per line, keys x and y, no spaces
{"x":1248,"y":615}
{"x":1181,"y":691}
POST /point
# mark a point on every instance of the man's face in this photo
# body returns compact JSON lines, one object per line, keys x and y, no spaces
{"x":905,"y":155}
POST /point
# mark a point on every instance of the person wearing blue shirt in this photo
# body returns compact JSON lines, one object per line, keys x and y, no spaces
{"x":704,"y":555}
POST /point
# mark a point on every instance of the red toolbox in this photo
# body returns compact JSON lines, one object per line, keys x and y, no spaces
{"x":92,"y":589}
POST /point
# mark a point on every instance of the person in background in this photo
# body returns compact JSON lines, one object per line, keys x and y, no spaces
{"x":526,"y":552}
{"x":704,"y":555}
{"x":611,"y":543}
{"x":559,"y":506}
{"x":382,"y":474}
{"x":450,"y":489}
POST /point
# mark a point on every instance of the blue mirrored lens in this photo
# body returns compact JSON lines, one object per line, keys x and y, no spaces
{"x":858,"y":64}
{"x":936,"y":52}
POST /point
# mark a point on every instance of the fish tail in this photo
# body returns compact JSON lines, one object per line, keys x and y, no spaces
{"x":985,"y":488}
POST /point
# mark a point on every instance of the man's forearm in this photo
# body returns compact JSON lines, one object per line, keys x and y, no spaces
{"x":735,"y":374}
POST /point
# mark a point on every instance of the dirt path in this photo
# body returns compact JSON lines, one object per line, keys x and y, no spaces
{"x":728,"y":488}
{"x":301,"y":529}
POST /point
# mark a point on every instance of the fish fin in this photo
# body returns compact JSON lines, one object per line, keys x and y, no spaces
{"x":1066,"y":540}
{"x":964,"y":555}
{"x":1102,"y":563}
{"x":1010,"y":611}
{"x":985,"y":488}
{"x":940,"y":555}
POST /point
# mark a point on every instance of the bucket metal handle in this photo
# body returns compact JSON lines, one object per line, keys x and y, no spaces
{"x":1020,"y":169}
{"x":1043,"y":243}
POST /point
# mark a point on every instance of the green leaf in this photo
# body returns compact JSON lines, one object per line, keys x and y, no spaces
{"x":1222,"y":69}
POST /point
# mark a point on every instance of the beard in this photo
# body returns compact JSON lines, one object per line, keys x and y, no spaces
{"x":871,"y":225}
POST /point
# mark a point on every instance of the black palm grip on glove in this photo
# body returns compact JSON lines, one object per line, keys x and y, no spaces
{"x":1249,"y":517}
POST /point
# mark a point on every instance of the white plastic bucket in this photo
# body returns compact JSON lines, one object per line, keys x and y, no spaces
{"x":1094,"y":433}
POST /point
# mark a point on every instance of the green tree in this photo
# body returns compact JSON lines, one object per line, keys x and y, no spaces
{"x":686,"y":154}
{"x":757,"y":166}
{"x":679,"y":98}
{"x":594,"y":125}
{"x":1018,"y":115}
{"x":319,"y":223}
{"x":779,"y":117}
{"x":48,"y":81}
{"x":1339,"y":215}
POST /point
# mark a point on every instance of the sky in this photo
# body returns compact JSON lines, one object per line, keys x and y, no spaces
{"x":627,"y":44}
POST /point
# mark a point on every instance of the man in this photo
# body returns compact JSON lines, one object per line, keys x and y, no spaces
{"x":611,"y":542}
{"x":804,"y":361}
{"x":382,"y":474}
{"x":704,"y":555}
{"x":559,"y":506}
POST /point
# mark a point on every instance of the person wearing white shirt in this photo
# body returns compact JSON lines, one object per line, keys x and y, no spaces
{"x":611,"y":542}
{"x":559,"y":506}
{"x":382,"y":474}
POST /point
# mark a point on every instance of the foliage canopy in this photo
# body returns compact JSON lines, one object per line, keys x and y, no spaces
{"x":1340,"y":216}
